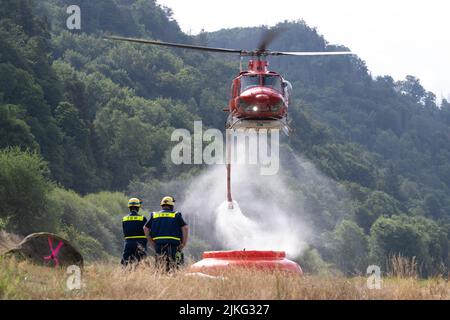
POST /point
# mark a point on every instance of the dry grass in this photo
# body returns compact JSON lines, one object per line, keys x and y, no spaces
{"x":21,"y":280}
{"x":402,"y":267}
{"x":8,"y":241}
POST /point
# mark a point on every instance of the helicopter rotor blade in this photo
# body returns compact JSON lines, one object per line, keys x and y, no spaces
{"x":176,"y":45}
{"x":268,"y":38}
{"x":307,"y":53}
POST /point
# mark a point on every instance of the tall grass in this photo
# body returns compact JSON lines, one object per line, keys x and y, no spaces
{"x":402,"y":267}
{"x":8,"y":241}
{"x":21,"y":280}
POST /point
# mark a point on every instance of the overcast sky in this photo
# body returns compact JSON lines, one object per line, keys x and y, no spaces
{"x":394,"y":37}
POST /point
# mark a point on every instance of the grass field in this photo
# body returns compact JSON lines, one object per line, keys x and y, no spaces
{"x":22,"y":280}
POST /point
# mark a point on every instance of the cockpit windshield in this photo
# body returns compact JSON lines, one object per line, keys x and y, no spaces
{"x":272,"y":81}
{"x":249,"y":81}
{"x":268,"y":80}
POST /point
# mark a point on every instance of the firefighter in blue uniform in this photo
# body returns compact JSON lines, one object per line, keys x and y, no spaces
{"x":135,"y":247}
{"x":167,"y":232}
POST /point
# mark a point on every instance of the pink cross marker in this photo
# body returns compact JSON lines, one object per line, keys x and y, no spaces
{"x":54,"y":252}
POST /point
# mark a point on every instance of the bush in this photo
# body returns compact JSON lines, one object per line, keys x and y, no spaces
{"x":377,"y":204}
{"x":311,"y":262}
{"x":350,"y":248}
{"x":114,"y":203}
{"x":3,"y":223}
{"x":96,"y":216}
{"x":23,"y":193}
{"x":410,"y":237}
{"x":90,"y":248}
{"x":31,"y":203}
{"x":196,"y":247}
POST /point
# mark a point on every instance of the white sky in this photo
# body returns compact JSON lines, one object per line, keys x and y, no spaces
{"x":394,"y":37}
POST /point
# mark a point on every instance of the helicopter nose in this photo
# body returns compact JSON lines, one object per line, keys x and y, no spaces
{"x":262,"y":98}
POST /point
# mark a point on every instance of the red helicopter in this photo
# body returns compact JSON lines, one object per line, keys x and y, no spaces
{"x":259,"y":98}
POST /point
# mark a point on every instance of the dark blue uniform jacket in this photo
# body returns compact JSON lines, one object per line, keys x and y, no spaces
{"x":133,"y":225}
{"x":165,"y":227}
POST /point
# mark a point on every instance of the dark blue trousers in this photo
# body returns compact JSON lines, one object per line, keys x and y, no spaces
{"x":166,"y":255}
{"x":134,"y":250}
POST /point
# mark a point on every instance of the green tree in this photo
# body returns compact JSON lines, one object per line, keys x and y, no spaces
{"x":376,"y":205}
{"x":350,"y":248}
{"x":410,"y":237}
{"x":79,"y":162}
{"x":13,"y":129}
{"x":411,"y":87}
{"x":432,"y":205}
{"x":24,"y":186}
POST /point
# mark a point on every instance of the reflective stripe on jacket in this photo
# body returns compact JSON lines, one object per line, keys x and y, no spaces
{"x":133,"y":225}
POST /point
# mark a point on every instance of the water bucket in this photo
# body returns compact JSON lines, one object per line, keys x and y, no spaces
{"x":218,"y":262}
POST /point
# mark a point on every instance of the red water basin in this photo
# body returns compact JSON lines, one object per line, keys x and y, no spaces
{"x":218,"y":262}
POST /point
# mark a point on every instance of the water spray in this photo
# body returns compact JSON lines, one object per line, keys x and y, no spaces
{"x":250,"y":242}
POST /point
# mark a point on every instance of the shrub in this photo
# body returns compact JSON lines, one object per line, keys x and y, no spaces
{"x":311,"y":262}
{"x":350,"y":248}
{"x":410,"y":237}
{"x":23,"y":192}
{"x":90,"y":248}
{"x":88,"y":216}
